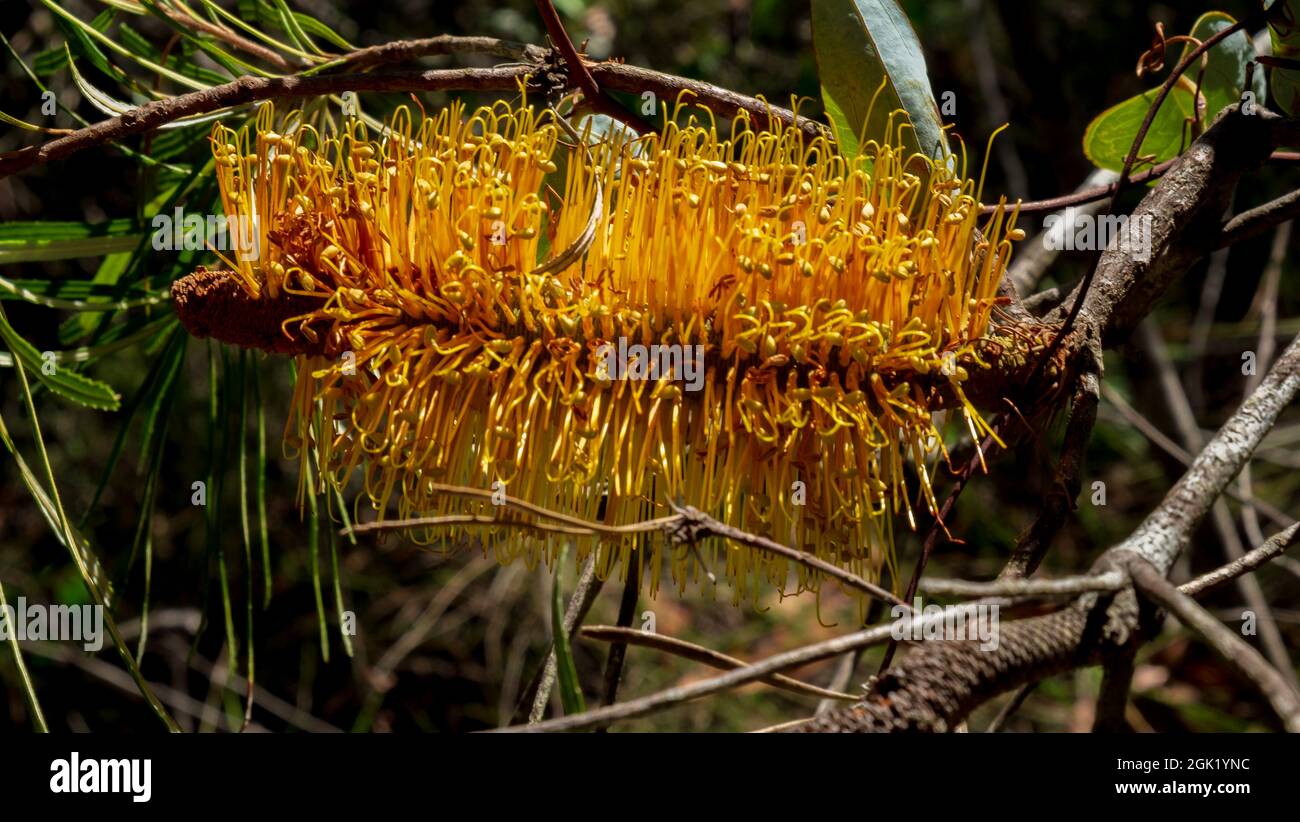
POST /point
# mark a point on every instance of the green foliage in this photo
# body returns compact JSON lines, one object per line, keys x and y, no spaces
{"x":871,"y":65}
{"x":1284,"y":33}
{"x":1181,"y":117}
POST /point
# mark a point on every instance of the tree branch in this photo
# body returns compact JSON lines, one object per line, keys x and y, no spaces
{"x":1284,"y":699}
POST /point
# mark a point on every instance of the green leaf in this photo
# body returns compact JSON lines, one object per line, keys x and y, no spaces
{"x":63,"y":381}
{"x":1108,"y":138}
{"x":313,"y":26}
{"x":50,"y":61}
{"x":566,"y":671}
{"x":43,"y":241}
{"x":845,"y":134}
{"x":1284,"y":32}
{"x":866,"y":50}
{"x":115,"y":108}
{"x":1110,"y":135}
{"x":1225,"y":71}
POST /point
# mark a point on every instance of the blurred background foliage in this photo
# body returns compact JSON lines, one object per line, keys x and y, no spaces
{"x":449,"y":643}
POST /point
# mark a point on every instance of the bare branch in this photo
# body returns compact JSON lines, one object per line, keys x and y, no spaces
{"x":698,"y":653}
{"x":1284,"y":699}
{"x":1117,"y":676}
{"x":732,"y":679}
{"x":1258,"y":220}
{"x":694,"y":524}
{"x":1025,"y":588}
{"x":1244,"y":564}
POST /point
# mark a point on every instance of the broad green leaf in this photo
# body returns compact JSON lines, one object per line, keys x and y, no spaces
{"x":868,"y":46}
{"x":63,"y":381}
{"x":1284,"y":33}
{"x":1225,"y":70}
{"x":1110,"y":135}
{"x":1108,"y":138}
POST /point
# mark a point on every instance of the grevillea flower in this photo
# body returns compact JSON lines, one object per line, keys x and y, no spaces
{"x":455,"y":323}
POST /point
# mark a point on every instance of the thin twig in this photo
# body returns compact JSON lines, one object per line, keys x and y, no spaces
{"x":1244,"y":564}
{"x":698,"y":653}
{"x":572,"y":616}
{"x":733,"y":679}
{"x":1010,"y":708}
{"x":694,"y":524}
{"x":1224,"y":524}
{"x":1256,"y":221}
{"x":1024,"y":588}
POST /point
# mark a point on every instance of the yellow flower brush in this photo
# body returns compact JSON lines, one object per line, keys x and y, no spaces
{"x":755,"y":325}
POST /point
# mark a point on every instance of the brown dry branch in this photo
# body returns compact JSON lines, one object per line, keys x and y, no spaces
{"x":1274,"y":547}
{"x":1280,"y":693}
{"x":698,"y":653}
{"x":615,"y":76}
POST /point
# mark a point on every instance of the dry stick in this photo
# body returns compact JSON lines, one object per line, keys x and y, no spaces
{"x":693,"y":524}
{"x":1224,"y":524}
{"x":399,"y":51}
{"x":1025,"y":588}
{"x":1281,"y":695}
{"x":1010,"y":708}
{"x":1244,"y":564}
{"x":555,"y":29}
{"x":1067,"y":480}
{"x":150,"y":116}
{"x":698,"y":653}
{"x":1167,"y":531}
{"x":1173,"y":449}
{"x":187,"y":18}
{"x":733,"y":679}
{"x":941,"y":682}
{"x":244,"y":90}
{"x":687,"y":524}
{"x":1084,"y":196}
{"x":580,"y":74}
{"x":1117,"y":676}
{"x":1101,"y":192}
{"x":722,"y":102}
{"x":1256,"y":221}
